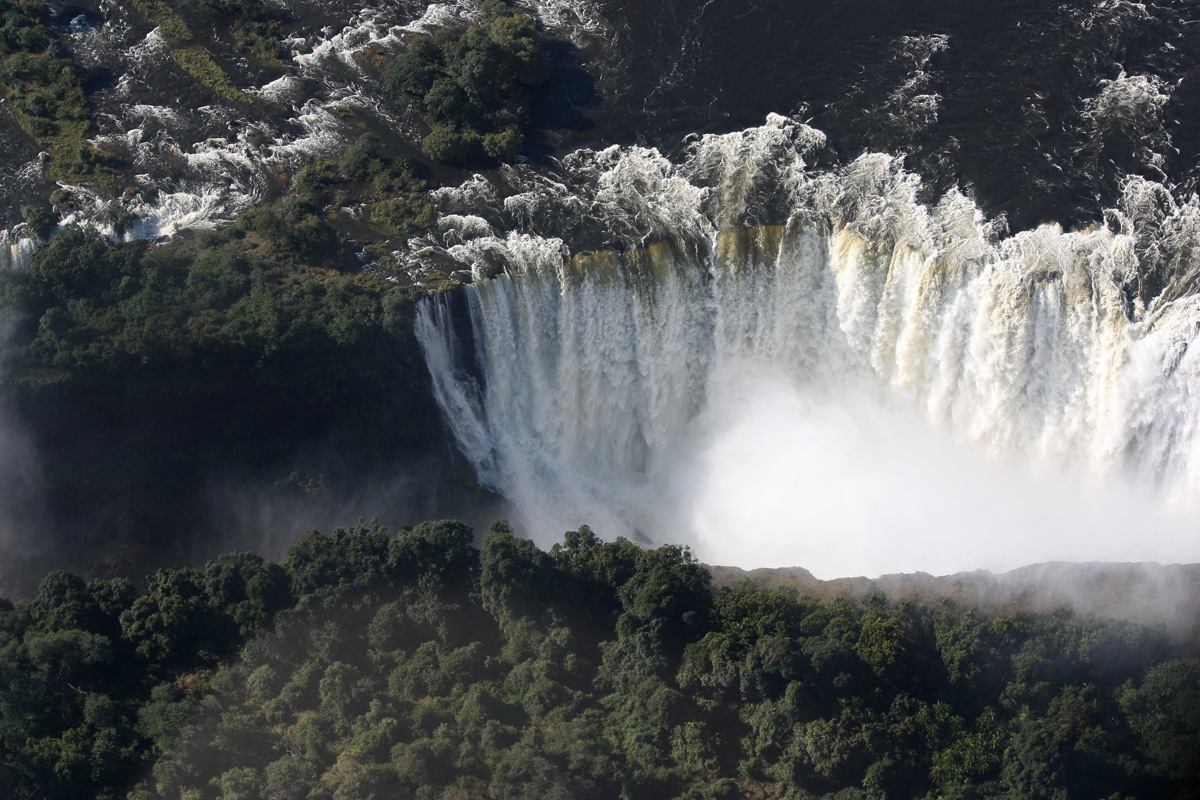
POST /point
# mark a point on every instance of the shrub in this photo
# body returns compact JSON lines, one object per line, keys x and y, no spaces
{"x":39,"y":220}
{"x":402,"y":215}
{"x":475,"y":88}
{"x":446,"y":144}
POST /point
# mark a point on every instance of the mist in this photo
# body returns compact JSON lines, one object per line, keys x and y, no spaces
{"x":845,"y":483}
{"x":241,"y":512}
{"x":22,"y":484}
{"x":21,"y":497}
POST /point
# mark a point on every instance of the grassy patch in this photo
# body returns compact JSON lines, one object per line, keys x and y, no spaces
{"x":255,"y":27}
{"x":191,"y":57}
{"x":402,"y":215}
{"x":160,"y":14}
{"x":200,"y":65}
{"x":45,"y":91}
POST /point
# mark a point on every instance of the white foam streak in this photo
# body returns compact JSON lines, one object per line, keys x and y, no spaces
{"x":368,"y":28}
{"x":578,"y":20}
{"x":444,"y":15}
{"x":187,"y":181}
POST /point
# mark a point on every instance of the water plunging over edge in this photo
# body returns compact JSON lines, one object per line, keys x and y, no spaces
{"x":875,"y":386}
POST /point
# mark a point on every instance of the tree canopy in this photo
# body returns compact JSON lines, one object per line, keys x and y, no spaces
{"x":475,"y":87}
{"x":373,"y":664}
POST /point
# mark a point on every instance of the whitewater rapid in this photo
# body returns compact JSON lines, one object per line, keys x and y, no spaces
{"x":782,"y":366}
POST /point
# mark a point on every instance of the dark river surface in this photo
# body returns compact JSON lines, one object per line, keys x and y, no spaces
{"x":1040,"y":109}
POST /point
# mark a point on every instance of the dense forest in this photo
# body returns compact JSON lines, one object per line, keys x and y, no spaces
{"x":373,"y":665}
{"x":475,"y":88}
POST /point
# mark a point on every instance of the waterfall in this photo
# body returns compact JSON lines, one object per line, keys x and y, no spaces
{"x":871,"y":385}
{"x":17,"y":246}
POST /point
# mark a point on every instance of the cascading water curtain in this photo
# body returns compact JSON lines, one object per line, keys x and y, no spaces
{"x":870,"y":385}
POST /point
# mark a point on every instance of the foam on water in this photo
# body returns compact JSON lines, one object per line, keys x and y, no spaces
{"x":198,"y":167}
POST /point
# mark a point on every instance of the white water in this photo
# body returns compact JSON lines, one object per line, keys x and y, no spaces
{"x":875,"y":387}
{"x":17,"y":247}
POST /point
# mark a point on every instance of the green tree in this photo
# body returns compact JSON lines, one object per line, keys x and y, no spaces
{"x":1164,"y":712}
{"x":474,"y":87}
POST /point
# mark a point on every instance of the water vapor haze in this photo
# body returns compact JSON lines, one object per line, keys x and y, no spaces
{"x":22,"y":516}
{"x":244,"y":513}
{"x":850,"y":485}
